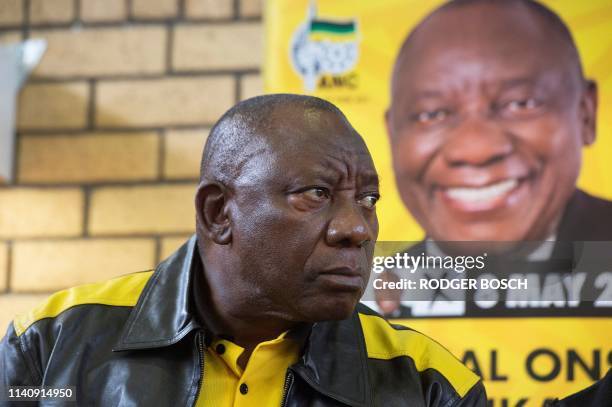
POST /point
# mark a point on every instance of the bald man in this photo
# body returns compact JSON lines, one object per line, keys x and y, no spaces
{"x":259,"y":307}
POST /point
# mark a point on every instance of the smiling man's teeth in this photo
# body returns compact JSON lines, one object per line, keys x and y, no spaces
{"x":483,"y":193}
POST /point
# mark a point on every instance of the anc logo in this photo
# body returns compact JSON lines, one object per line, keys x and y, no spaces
{"x":324,"y":47}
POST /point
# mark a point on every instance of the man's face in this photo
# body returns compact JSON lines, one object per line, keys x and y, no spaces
{"x":486,"y":123}
{"x":304,"y":220}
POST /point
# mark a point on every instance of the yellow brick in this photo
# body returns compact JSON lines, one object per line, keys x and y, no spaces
{"x":183,"y":153}
{"x":51,"y":11}
{"x":154,"y":9}
{"x":209,"y":8}
{"x":12,"y":305}
{"x":219,"y":46}
{"x":102,"y":51}
{"x":103,"y":10}
{"x":57,"y":264}
{"x":10,"y":37}
{"x":3,"y":265}
{"x":159,"y":102}
{"x":33,"y":212}
{"x":170,"y":244}
{"x":11,"y":12}
{"x":53,"y":106}
{"x":88,"y":158}
{"x":251,"y":8}
{"x":251,"y":85}
{"x":143,"y":209}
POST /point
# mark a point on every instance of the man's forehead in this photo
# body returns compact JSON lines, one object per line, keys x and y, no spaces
{"x":332,"y":166}
{"x":290,"y":161}
{"x":301,"y":119}
{"x":293,"y":129}
{"x":486,"y":28}
{"x":295,"y":140}
{"x":322,"y":149}
{"x":497,"y":16}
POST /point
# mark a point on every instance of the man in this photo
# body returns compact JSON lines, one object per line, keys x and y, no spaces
{"x":259,"y":307}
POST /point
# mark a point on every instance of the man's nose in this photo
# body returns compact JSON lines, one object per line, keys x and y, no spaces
{"x":477,"y":141}
{"x":349,"y":226}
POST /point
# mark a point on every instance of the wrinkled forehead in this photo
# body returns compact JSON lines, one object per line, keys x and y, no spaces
{"x":493,"y":33}
{"x":306,"y":140}
{"x":316,"y":134}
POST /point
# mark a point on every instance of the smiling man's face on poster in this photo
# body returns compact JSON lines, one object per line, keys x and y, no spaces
{"x":487,"y":121}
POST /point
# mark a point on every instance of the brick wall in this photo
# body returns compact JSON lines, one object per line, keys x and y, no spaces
{"x":110,"y":130}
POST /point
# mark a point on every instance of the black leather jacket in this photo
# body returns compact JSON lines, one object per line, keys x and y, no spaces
{"x":133,"y":341}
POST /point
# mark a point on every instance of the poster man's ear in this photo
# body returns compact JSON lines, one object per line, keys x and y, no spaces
{"x":588,"y":112}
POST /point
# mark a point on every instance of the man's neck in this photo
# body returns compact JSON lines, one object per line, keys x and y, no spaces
{"x":246,"y":329}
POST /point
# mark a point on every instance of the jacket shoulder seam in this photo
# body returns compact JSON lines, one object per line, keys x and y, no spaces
{"x":386,"y":342}
{"x":122,"y":291}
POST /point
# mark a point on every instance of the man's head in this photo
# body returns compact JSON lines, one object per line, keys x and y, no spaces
{"x":286,"y":216}
{"x":489,"y":112}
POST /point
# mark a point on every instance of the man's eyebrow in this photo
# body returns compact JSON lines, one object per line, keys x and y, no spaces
{"x":370,"y":178}
{"x":318,"y":173}
{"x":426,"y":94}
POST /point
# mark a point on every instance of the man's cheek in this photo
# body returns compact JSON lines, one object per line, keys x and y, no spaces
{"x":410,"y":169}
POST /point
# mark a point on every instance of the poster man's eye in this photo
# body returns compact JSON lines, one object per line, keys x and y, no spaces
{"x":431,"y":116}
{"x":522,"y":104}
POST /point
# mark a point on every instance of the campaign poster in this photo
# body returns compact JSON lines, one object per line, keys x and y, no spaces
{"x":344,"y":51}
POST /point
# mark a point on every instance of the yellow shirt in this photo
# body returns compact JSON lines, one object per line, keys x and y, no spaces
{"x":262,"y":381}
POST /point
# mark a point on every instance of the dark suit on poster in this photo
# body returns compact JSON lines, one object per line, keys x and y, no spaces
{"x":585,"y":219}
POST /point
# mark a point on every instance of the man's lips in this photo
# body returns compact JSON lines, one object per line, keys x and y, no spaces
{"x":487,"y":197}
{"x":342,"y":278}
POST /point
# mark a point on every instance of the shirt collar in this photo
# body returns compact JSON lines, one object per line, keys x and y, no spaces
{"x":230,"y":352}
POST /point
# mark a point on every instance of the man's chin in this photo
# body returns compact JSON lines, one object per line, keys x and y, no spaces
{"x":332,"y":311}
{"x":478,"y":247}
{"x":508,"y":230}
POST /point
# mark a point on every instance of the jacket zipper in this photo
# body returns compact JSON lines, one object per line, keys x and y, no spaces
{"x":201,"y":356}
{"x":288,"y":383}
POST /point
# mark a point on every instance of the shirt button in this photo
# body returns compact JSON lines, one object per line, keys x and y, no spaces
{"x":244,"y":389}
{"x":220,"y":349}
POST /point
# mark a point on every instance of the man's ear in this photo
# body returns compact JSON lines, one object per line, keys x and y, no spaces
{"x":388,"y":122}
{"x":588,"y":112}
{"x":212,"y":212}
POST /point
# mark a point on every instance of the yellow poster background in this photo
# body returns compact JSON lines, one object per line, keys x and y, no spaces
{"x":502,"y":349}
{"x":363,"y":95}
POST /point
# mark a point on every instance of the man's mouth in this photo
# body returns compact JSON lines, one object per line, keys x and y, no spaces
{"x":480,"y":194}
{"x":343,"y":278}
{"x":482,"y":198}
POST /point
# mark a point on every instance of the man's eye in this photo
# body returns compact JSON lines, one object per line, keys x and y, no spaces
{"x":431,"y":116}
{"x":369,"y":201}
{"x":316,"y":194}
{"x":521,"y":105}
